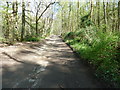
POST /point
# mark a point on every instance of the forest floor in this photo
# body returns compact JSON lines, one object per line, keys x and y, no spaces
{"x":45,"y":64}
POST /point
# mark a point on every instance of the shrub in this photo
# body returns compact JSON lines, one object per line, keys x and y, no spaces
{"x":31,"y":38}
{"x":101,"y":49}
{"x":2,"y":39}
{"x":69,"y":35}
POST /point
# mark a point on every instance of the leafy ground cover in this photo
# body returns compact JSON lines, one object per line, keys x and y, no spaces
{"x":100,"y":49}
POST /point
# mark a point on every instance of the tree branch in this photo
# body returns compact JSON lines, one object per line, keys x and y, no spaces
{"x":29,"y":11}
{"x":29,"y":24}
{"x":28,"y":17}
{"x":45,"y":10}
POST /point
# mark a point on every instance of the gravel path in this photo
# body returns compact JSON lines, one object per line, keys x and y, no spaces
{"x":49,"y":64}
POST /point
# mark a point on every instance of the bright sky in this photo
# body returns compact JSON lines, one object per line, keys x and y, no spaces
{"x":66,"y":0}
{"x":32,"y":4}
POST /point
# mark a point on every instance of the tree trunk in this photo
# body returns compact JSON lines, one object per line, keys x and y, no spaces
{"x":16,"y":21}
{"x":62,"y":17}
{"x":119,"y":15}
{"x":91,"y":11}
{"x":107,"y":13}
{"x":78,"y":6}
{"x":36,"y":27}
{"x":104,"y":16}
{"x":7,"y":22}
{"x":69,"y":25}
{"x":113,"y":15}
{"x":98,"y":16}
{"x":23,"y":20}
{"x":38,"y":18}
{"x":14,"y":15}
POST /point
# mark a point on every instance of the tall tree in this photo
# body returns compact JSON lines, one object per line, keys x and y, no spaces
{"x":69,"y":16}
{"x":104,"y":10}
{"x":104,"y":16}
{"x":78,"y":8}
{"x":119,"y":15}
{"x":107,"y":12}
{"x":7,"y":22}
{"x":98,"y":11}
{"x":113,"y":15}
{"x":23,"y":20}
{"x":36,"y":18}
{"x":14,"y":21}
{"x":39,"y":16}
{"x":91,"y":11}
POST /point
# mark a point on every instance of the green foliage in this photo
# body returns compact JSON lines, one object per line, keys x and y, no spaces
{"x":32,"y":38}
{"x":2,"y":39}
{"x":85,"y":21}
{"x":100,"y":49}
{"x":70,"y":35}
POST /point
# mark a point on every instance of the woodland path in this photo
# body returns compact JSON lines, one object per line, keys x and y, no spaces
{"x":47,"y":64}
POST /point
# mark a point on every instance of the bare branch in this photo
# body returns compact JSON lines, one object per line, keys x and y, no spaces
{"x":29,"y":24}
{"x":29,"y":11}
{"x":45,"y":10}
{"x":28,"y":17}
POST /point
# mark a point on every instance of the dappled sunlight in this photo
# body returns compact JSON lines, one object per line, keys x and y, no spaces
{"x":42,"y":63}
{"x":60,"y":43}
{"x":55,"y":66}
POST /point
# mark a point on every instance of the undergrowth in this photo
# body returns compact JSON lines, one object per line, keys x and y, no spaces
{"x":32,"y":38}
{"x":101,"y":49}
{"x":1,"y":39}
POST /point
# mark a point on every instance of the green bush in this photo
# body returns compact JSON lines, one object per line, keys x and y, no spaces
{"x":69,"y":35}
{"x":101,"y":49}
{"x":31,"y":38}
{"x":2,"y":39}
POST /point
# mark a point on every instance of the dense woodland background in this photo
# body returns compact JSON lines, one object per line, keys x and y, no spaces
{"x":91,"y":28}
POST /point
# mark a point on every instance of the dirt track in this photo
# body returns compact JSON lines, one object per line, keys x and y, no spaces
{"x":50,"y":64}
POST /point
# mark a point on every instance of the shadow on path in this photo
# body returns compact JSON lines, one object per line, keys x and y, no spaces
{"x":50,"y":65}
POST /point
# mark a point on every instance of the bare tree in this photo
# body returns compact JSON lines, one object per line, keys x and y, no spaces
{"x":39,"y":16}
